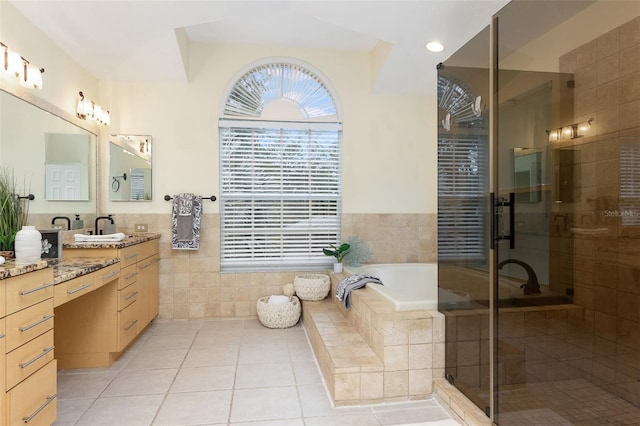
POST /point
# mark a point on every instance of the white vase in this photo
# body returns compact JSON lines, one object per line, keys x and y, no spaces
{"x":337,"y":267}
{"x":28,"y":245}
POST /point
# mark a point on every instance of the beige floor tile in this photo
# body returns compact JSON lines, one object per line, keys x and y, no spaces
{"x":204,"y":379}
{"x":152,"y":360}
{"x":89,"y":385}
{"x":195,"y":408}
{"x":141,"y":382}
{"x":265,"y":404}
{"x":169,"y":341}
{"x":288,"y":422}
{"x":264,"y":375}
{"x":176,"y":327}
{"x":210,"y":339}
{"x":306,"y":373}
{"x":126,"y":410}
{"x":263,"y":353}
{"x":366,"y":419}
{"x":70,"y":410}
{"x":222,"y":354}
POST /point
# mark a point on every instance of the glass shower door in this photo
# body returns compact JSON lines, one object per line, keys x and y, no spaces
{"x":463,"y":218}
{"x":567,"y":146}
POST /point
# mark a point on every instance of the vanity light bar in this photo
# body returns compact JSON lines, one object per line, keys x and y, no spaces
{"x":14,"y":64}
{"x":572,"y":131}
{"x":89,"y":110}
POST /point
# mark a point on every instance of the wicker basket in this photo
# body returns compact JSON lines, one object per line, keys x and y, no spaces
{"x":312,"y":286}
{"x":274,"y":315}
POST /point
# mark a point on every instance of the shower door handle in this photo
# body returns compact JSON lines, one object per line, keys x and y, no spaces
{"x":495,"y":217}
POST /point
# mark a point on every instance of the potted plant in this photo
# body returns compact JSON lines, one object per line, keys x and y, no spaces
{"x":12,"y":217}
{"x":339,"y":252}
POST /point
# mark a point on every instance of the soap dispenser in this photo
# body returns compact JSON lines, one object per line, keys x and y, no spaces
{"x":77,"y":223}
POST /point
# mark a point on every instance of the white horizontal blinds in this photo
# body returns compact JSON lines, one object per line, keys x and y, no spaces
{"x":461,"y":215}
{"x":267,"y":83}
{"x":629,"y":210}
{"x":280,"y":196}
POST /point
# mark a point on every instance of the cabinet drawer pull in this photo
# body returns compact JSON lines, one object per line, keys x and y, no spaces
{"x":131,"y":256}
{"x":145,"y":266}
{"x":130,"y":295}
{"x":2,"y":336}
{"x":107,"y":277}
{"x":49,"y":400}
{"x":82,"y":287}
{"x":37,"y":357}
{"x":30,"y":326}
{"x":134,"y":322}
{"x":128,"y":277}
{"x":33,"y":290}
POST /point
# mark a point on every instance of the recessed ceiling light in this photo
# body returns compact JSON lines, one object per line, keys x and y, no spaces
{"x":435,"y":46}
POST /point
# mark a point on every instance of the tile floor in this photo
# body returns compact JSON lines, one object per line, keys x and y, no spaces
{"x":220,"y":372}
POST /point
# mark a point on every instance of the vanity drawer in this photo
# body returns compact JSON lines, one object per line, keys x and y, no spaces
{"x":72,"y":289}
{"x":29,"y":323}
{"x":127,"y":296}
{"x":106,"y":275}
{"x":29,"y":358}
{"x":28,"y":289}
{"x":128,"y":276}
{"x":148,"y":248}
{"x":128,"y":324}
{"x":33,"y":401}
{"x":3,"y":351}
{"x":129,"y":255}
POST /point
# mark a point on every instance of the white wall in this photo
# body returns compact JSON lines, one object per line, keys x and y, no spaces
{"x":389,"y":141}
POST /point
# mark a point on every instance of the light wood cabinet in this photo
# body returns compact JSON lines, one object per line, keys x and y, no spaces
{"x":93,"y":330}
{"x":27,"y":366}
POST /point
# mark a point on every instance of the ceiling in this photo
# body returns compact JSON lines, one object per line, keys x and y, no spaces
{"x":111,"y":38}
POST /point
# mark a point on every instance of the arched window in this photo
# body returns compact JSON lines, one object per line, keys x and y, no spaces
{"x":280,"y":171}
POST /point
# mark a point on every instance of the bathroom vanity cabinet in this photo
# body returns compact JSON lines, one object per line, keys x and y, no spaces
{"x":93,"y":330}
{"x":27,"y":365}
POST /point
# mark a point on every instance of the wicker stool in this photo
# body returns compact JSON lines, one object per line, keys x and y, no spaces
{"x":312,"y":286}
{"x":278,"y":315}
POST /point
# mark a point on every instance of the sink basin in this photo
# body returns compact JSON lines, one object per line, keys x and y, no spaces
{"x":107,"y":238}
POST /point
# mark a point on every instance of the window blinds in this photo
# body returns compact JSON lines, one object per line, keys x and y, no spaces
{"x":280,"y":195}
{"x":461,"y":216}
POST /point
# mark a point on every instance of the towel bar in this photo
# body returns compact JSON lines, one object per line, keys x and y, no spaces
{"x":212,"y":198}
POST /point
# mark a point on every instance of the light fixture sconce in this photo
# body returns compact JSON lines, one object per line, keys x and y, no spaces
{"x":572,"y":131}
{"x":14,"y":64}
{"x":89,"y":110}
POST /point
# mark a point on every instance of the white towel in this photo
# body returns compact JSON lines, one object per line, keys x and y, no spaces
{"x":107,"y":238}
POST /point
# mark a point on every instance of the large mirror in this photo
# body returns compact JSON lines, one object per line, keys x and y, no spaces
{"x":33,"y":142}
{"x":130,"y":168}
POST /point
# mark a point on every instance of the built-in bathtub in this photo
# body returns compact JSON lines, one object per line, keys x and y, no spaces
{"x":409,"y":286}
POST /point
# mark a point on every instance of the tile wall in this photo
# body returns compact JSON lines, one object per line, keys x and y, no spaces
{"x":192,"y":286}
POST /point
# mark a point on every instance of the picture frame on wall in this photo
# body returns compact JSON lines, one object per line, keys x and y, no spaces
{"x":51,"y":244}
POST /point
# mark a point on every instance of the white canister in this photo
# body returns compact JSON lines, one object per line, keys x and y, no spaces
{"x":28,"y":245}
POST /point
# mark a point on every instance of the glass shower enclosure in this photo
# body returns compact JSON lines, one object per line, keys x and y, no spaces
{"x":539,"y":213}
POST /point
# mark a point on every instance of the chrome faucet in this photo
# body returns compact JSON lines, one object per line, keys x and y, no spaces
{"x":53,"y":221}
{"x":531,"y":286}
{"x":99,"y":218}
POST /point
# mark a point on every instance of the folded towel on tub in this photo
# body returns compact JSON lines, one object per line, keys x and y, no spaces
{"x":343,"y":291}
{"x":185,"y":222}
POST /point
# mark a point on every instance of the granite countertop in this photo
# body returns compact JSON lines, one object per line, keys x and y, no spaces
{"x":130,"y":240}
{"x":74,"y":268}
{"x":62,"y":271}
{"x":9,"y":268}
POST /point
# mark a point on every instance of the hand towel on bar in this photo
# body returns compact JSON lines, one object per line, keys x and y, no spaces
{"x":343,"y":291}
{"x":185,"y":222}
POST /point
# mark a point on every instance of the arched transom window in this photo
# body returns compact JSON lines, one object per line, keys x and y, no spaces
{"x":280,"y":173}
